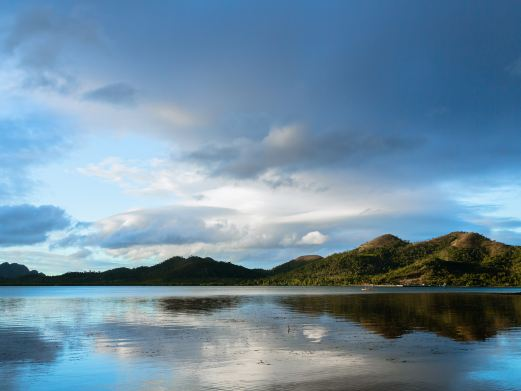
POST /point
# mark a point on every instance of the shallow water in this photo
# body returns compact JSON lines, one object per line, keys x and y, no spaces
{"x":230,"y":338}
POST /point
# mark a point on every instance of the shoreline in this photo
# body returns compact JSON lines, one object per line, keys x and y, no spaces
{"x":361,"y":286}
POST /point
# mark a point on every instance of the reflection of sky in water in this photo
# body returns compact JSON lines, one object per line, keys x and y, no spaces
{"x":501,"y":365}
{"x":147,"y":341}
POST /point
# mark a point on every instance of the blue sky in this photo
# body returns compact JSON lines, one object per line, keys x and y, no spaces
{"x":253,"y":131}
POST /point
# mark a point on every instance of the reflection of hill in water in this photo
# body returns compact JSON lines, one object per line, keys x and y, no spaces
{"x":199,"y":305}
{"x":462,"y":317}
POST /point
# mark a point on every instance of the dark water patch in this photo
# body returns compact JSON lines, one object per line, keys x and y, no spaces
{"x":462,"y":317}
{"x":199,"y":305}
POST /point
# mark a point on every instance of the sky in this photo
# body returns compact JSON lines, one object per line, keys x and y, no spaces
{"x":253,"y":132}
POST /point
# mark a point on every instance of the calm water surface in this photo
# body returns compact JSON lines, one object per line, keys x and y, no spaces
{"x":230,"y":338}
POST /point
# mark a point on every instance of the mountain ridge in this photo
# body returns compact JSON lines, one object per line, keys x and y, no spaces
{"x":458,"y":258}
{"x":14,"y":270}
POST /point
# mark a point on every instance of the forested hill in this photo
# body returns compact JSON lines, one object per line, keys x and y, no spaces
{"x":459,"y":258}
{"x":174,"y":271}
{"x":14,"y":270}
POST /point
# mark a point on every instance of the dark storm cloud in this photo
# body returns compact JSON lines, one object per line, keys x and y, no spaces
{"x":353,"y":70}
{"x":115,"y":93}
{"x":355,"y":73}
{"x":292,"y":148}
{"x":28,"y":224}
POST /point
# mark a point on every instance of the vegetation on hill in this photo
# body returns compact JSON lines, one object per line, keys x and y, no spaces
{"x":459,"y":258}
{"x":294,"y":264}
{"x":174,"y":271}
{"x":14,"y":270}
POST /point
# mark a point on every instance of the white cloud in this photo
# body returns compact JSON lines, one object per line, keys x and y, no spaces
{"x":157,"y":177}
{"x":313,"y":238}
{"x":284,"y":137}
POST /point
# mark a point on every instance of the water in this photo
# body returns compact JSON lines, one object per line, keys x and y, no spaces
{"x":232,"y":338}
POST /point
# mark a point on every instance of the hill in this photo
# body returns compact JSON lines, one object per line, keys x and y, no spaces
{"x":458,"y":258}
{"x":174,"y":271}
{"x":295,"y":264}
{"x":14,"y":270}
{"x":383,"y":241}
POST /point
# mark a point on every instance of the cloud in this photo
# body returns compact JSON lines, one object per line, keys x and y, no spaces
{"x":292,"y":148}
{"x":161,"y":226}
{"x":81,"y":254}
{"x":116,"y":93}
{"x":313,"y":238}
{"x":157,"y":177}
{"x":258,"y":217}
{"x":37,"y":41}
{"x":28,"y":224}
{"x":159,"y":233}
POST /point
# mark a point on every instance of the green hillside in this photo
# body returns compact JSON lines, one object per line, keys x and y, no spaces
{"x":294,"y":264}
{"x":459,"y":258}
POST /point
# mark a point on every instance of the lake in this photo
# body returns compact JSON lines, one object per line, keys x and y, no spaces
{"x":233,"y":338}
